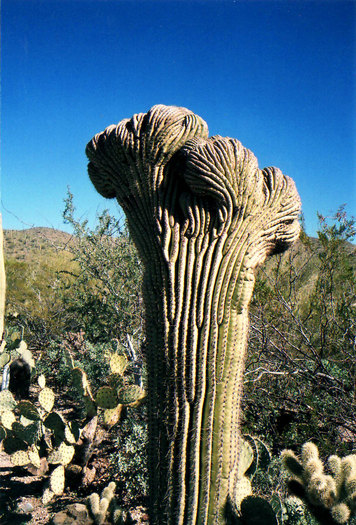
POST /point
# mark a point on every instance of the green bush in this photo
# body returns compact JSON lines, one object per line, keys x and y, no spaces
{"x":300,"y":370}
{"x":129,"y":463}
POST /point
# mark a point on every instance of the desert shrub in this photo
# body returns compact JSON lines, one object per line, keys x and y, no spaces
{"x":301,"y":371}
{"x":91,"y":358}
{"x":103,"y":296}
{"x":129,"y":462}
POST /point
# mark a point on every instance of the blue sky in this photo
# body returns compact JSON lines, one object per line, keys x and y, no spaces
{"x":278,"y":76}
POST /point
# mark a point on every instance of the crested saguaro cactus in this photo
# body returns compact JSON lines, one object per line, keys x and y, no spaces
{"x":203,"y":217}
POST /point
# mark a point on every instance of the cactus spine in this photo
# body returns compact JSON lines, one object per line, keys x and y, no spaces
{"x":104,"y":508}
{"x":335,"y":493}
{"x":203,"y":217}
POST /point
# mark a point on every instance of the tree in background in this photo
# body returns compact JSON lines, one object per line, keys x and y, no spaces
{"x":300,"y":376}
{"x":103,"y":296}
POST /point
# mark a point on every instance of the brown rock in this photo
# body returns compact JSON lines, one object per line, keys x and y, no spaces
{"x":38,"y":471}
{"x":75,"y":514}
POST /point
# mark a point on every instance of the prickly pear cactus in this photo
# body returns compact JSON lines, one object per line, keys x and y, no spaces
{"x":27,"y":429}
{"x":109,"y":397}
{"x":203,"y":216}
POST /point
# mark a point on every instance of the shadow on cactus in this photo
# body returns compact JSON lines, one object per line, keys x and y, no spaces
{"x":17,"y":365}
{"x":248,"y":509}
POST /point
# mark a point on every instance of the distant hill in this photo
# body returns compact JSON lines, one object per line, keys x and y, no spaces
{"x":33,"y":258}
{"x":36,"y":255}
{"x":25,"y":244}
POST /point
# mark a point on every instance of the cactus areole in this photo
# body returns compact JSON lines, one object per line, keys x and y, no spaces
{"x":203,"y":217}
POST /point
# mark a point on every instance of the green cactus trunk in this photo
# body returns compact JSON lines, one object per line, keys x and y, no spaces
{"x":195,"y":366}
{"x":203,"y":216}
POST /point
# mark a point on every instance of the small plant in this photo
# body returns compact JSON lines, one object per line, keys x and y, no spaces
{"x":129,"y":463}
{"x":105,"y":509}
{"x":334,"y":492}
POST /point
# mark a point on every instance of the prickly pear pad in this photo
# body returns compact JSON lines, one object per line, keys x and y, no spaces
{"x":27,"y":409}
{"x":46,"y":399}
{"x":7,"y":401}
{"x":118,"y":364}
{"x":57,"y":480}
{"x":7,"y":419}
{"x":20,"y":458}
{"x":106,"y":397}
{"x":130,"y":394}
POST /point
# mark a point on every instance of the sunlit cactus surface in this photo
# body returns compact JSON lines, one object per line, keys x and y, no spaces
{"x":203,"y":216}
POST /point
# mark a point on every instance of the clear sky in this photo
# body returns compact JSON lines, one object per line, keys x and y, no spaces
{"x":277,"y":75}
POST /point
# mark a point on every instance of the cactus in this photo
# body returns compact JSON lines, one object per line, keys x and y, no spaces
{"x":46,"y":399}
{"x":47,"y":496}
{"x":99,"y":506}
{"x":7,"y":419}
{"x":7,"y":401}
{"x":34,"y":456}
{"x":104,"y":508}
{"x":13,"y":444}
{"x":63,"y":455}
{"x":56,"y":423}
{"x":333,"y":493}
{"x":27,"y":428}
{"x":112,"y":416}
{"x":26,"y":354}
{"x":80,"y":381}
{"x":4,"y":359}
{"x":28,"y":410}
{"x":203,"y":217}
{"x":130,"y":394}
{"x":41,"y":380}
{"x":30,"y":433}
{"x":71,"y":432}
{"x":20,"y":458}
{"x":243,"y":487}
{"x":118,"y":364}
{"x":106,"y":397}
{"x":110,"y":397}
{"x":56,"y":481}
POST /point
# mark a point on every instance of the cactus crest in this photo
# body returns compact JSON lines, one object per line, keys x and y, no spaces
{"x":203,"y":216}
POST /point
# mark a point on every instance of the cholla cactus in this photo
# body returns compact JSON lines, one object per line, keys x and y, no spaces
{"x":335,"y":492}
{"x":104,"y":508}
{"x":203,"y":217}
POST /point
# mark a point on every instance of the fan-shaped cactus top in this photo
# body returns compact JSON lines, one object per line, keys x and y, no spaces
{"x":139,"y":160}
